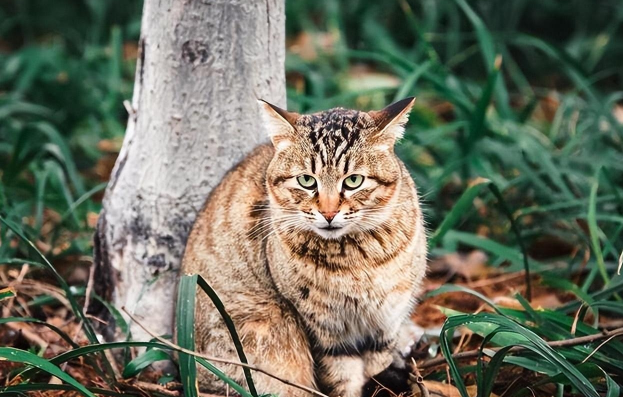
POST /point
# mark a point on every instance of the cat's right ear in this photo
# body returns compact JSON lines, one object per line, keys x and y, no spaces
{"x":279,"y":123}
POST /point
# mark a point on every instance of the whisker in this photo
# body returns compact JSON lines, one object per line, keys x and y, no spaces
{"x":283,"y":228}
{"x":267,"y":224}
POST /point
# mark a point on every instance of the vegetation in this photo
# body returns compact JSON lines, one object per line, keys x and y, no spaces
{"x":515,"y":143}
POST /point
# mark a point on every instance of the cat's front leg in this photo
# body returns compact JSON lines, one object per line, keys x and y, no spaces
{"x":346,"y":375}
{"x":376,"y":361}
{"x":386,"y":368}
{"x":386,"y":374}
{"x":341,"y":375}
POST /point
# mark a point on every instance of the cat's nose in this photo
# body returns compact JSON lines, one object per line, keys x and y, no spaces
{"x":329,"y":215}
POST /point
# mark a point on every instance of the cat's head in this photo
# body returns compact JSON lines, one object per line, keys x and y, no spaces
{"x":334,"y":172}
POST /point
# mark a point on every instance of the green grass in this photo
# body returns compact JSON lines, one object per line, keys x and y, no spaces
{"x":513,"y":131}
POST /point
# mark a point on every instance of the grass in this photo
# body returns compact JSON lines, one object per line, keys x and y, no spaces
{"x":514,"y":143}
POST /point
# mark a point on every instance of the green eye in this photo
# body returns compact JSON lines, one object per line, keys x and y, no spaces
{"x":307,"y":181}
{"x":353,"y":181}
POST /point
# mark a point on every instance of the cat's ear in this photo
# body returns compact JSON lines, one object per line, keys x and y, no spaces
{"x":389,"y":123}
{"x":279,"y":123}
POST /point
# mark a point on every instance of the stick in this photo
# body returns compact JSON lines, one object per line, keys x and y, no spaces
{"x":433,"y":362}
{"x":222,"y":360}
{"x":419,"y":379}
{"x":171,"y":389}
{"x":155,"y":388}
{"x":29,"y":334}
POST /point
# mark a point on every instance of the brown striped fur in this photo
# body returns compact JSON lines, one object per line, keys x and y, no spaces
{"x":317,"y":305}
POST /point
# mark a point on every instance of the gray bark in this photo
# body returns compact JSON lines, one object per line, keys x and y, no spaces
{"x":202,"y":67}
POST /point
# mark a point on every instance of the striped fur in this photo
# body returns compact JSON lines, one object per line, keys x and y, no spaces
{"x":317,"y":281}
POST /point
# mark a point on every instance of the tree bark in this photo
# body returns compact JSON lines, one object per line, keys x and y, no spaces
{"x":202,"y":66}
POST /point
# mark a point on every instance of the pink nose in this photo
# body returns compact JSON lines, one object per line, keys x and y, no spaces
{"x":329,"y":215}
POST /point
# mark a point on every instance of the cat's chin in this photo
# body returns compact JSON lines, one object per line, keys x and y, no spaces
{"x":330,"y":233}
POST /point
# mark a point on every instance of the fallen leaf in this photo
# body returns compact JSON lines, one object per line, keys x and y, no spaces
{"x":306,"y":45}
{"x":436,"y":389}
{"x":439,"y":389}
{"x":618,"y":113}
{"x":470,"y":266}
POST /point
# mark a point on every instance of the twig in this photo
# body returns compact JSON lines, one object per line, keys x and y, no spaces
{"x":89,"y":290}
{"x":495,"y":280}
{"x":169,"y":388}
{"x":433,"y":362}
{"x":419,"y":379}
{"x":18,"y":280}
{"x":129,"y":108}
{"x":382,"y":387}
{"x":155,"y":388}
{"x":599,"y":347}
{"x":29,"y":334}
{"x":576,"y":319}
{"x":31,"y":287}
{"x":87,"y":299}
{"x":221,"y":360}
{"x":113,"y":363}
{"x":22,"y":273}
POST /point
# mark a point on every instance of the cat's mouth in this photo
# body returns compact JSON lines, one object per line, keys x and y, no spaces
{"x":330,"y":231}
{"x":330,"y":227}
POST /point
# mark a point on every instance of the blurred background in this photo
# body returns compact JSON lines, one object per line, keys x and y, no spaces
{"x":526,"y":94}
{"x":515,"y":143}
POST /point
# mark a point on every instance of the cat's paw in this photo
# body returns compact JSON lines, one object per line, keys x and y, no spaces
{"x":410,"y":334}
{"x":389,"y":383}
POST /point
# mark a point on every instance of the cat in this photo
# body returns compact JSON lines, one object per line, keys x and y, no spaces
{"x":316,"y":245}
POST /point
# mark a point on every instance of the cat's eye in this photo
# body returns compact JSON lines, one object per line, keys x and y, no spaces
{"x":307,"y":181}
{"x":353,"y":181}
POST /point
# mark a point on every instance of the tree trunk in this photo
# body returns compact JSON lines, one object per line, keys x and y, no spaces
{"x":202,"y":67}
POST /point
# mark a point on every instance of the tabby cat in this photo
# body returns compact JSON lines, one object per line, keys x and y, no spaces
{"x":316,"y":245}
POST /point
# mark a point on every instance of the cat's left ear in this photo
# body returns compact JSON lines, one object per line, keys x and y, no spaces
{"x":389,"y":123}
{"x":279,"y":123}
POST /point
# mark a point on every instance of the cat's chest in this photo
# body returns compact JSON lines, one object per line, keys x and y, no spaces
{"x":347,"y":312}
{"x":345,"y":304}
{"x":356,"y":293}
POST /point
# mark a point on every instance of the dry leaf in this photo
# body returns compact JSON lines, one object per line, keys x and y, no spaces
{"x":363,"y":77}
{"x":92,"y":219}
{"x":618,"y":113}
{"x":306,"y":45}
{"x":436,"y":389}
{"x":470,"y":266}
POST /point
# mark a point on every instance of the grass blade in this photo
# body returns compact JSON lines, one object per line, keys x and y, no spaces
{"x":231,"y":328}
{"x":446,"y":288}
{"x":185,"y":324}
{"x":86,"y":323}
{"x":24,"y":357}
{"x":186,"y":339}
{"x":593,"y":230}
{"x":458,"y":210}
{"x":533,"y":343}
{"x":477,"y":122}
{"x":524,"y":252}
{"x":502,"y":251}
{"x":58,"y":331}
{"x":144,"y":360}
{"x":94,"y":348}
{"x":614,"y":389}
{"x":38,"y":387}
{"x":489,"y":54}
{"x":409,"y":83}
{"x":212,"y":368}
{"x":6,"y":293}
{"x":488,"y":378}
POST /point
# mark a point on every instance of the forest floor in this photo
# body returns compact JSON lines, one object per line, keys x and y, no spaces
{"x":37,"y":297}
